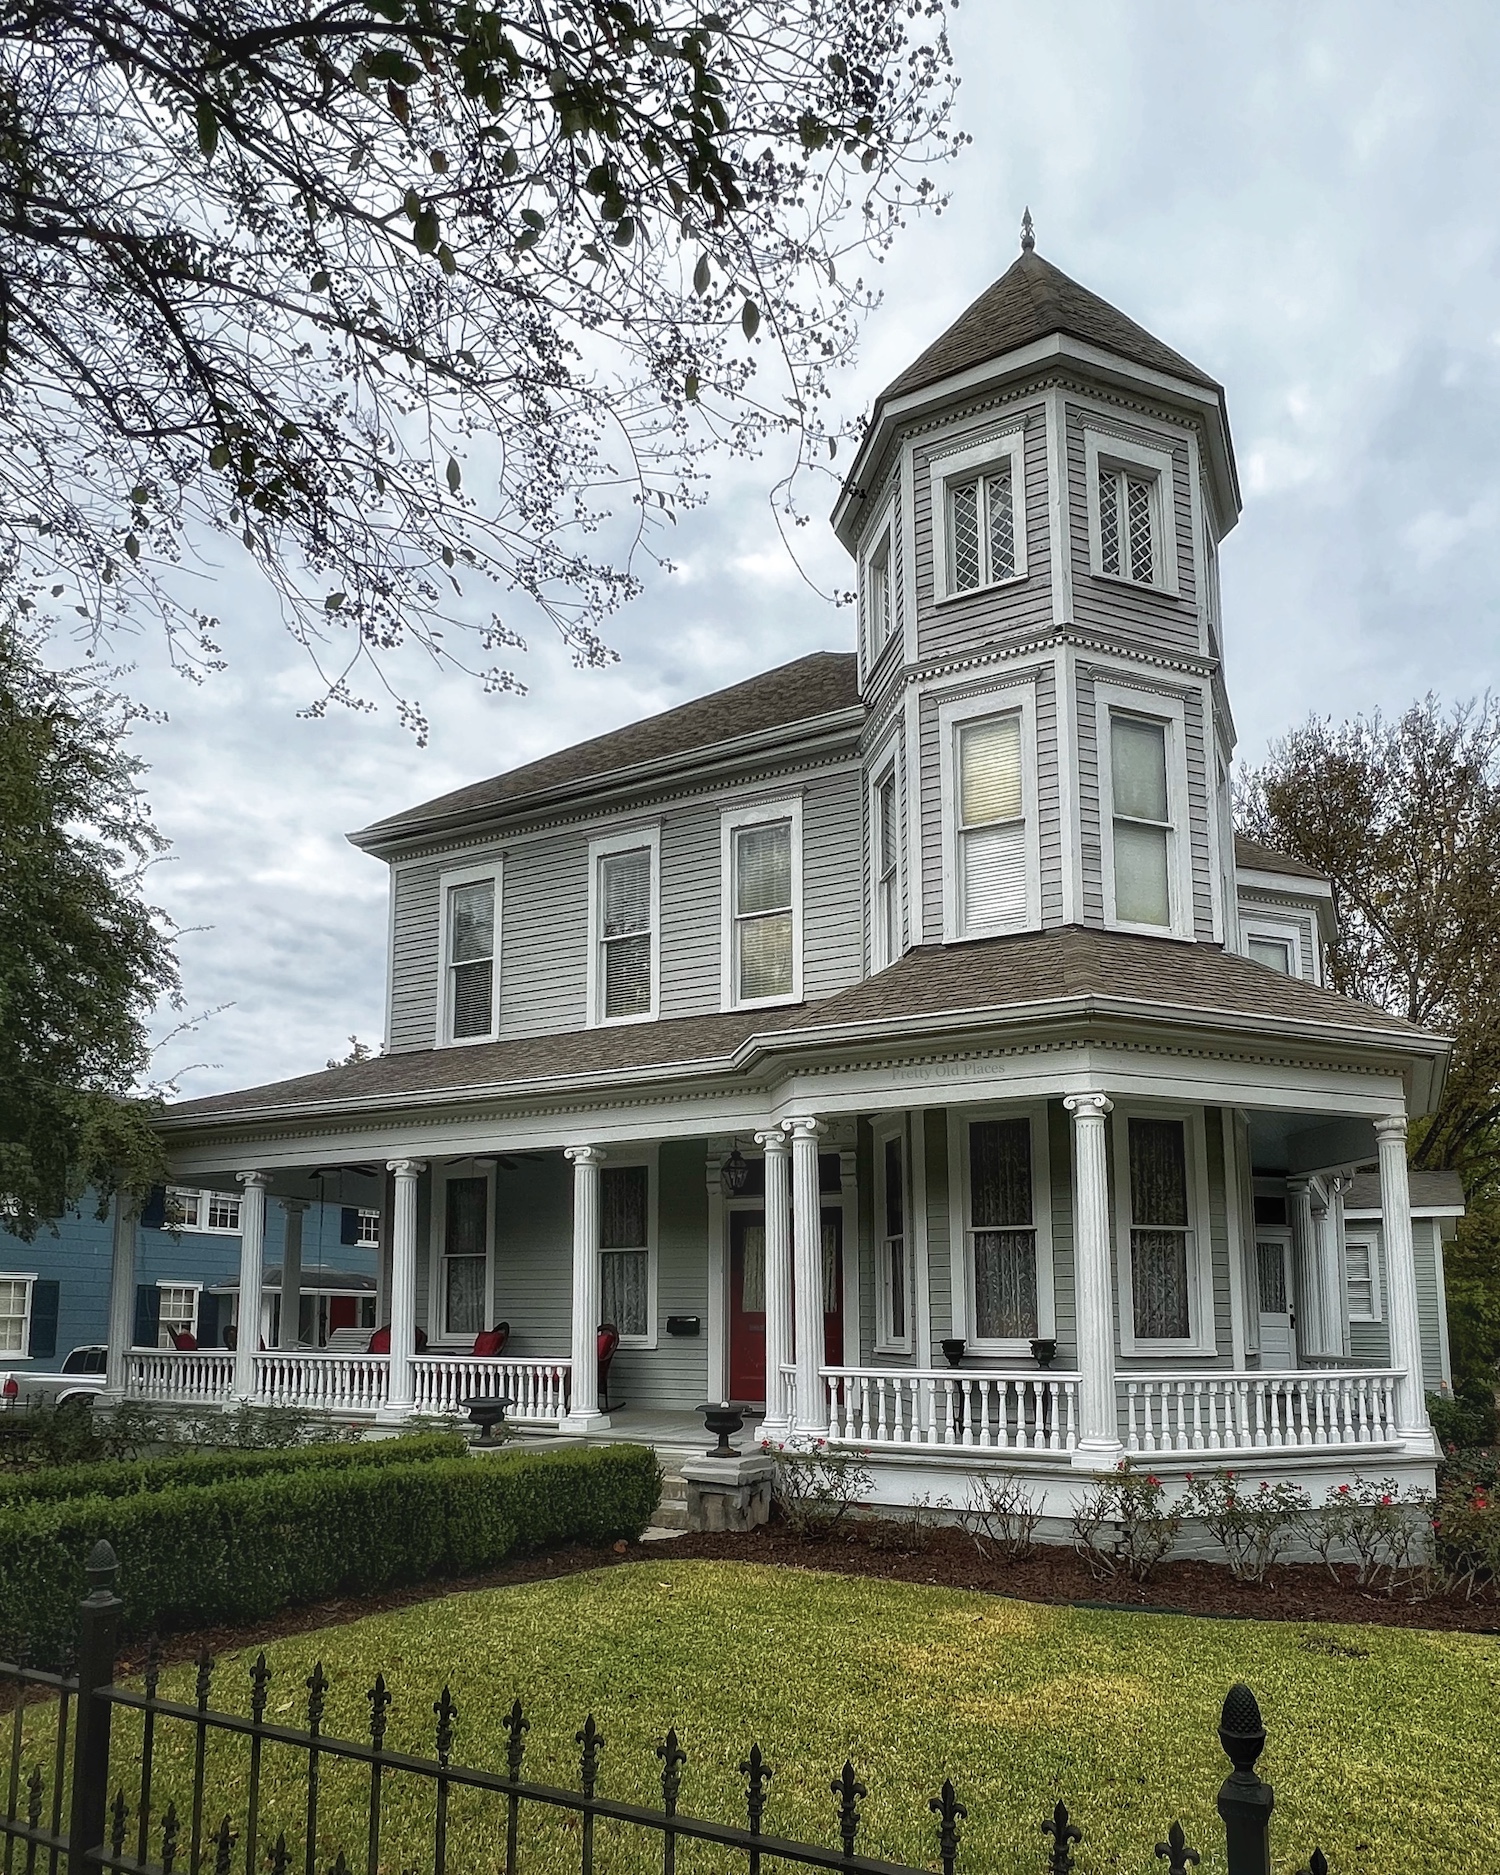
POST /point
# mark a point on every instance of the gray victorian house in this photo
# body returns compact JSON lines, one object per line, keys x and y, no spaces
{"x":901,"y":1040}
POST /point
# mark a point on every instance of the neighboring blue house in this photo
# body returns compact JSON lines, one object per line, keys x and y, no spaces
{"x":54,"y":1292}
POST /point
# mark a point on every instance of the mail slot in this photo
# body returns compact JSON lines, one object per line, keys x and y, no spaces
{"x":683,"y":1325}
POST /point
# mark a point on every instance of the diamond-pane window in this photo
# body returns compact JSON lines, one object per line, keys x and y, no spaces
{"x":964,"y":506}
{"x":1127,"y":525}
{"x":982,"y":530}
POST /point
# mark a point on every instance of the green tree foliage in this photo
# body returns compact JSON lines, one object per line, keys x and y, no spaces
{"x":1404,"y":817}
{"x":83,"y":958}
{"x":405,"y":299}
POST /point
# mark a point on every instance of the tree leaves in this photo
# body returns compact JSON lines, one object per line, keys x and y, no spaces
{"x":455,"y":476}
{"x":750,"y":319}
{"x":208,"y":127}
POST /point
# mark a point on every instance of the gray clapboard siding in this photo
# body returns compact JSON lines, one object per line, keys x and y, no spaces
{"x":1430,"y":1302}
{"x":1060,"y":1173}
{"x":1090,"y":832}
{"x":931,"y":1134}
{"x":953,"y":627}
{"x":414,"y":942}
{"x":674,"y":1374}
{"x":1199,"y":810}
{"x":1115,"y":606}
{"x":1049,"y":796}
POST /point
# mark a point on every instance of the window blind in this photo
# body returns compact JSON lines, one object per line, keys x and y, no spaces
{"x":625,"y":921}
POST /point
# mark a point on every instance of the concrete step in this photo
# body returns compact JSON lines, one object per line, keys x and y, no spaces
{"x":670,"y":1516}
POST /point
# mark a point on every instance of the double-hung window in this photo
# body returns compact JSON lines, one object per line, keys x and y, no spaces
{"x":879,"y":607}
{"x":1161,"y":1238}
{"x":991,"y":878}
{"x":470,"y":974}
{"x":465,"y":1256}
{"x":184,"y":1208}
{"x":1361,"y":1279}
{"x":217,"y":1211}
{"x":762,"y":860}
{"x":1272,"y":942}
{"x":1274,"y":952}
{"x":625,"y":1249}
{"x":625,"y":900}
{"x":367,"y":1228}
{"x":893,"y":1297}
{"x":979,"y":520}
{"x":1144,"y":791}
{"x":1002,"y":1227}
{"x":887,"y":849}
{"x":15,"y":1314}
{"x":177,"y":1312}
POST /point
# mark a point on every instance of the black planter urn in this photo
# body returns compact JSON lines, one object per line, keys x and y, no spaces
{"x":953,"y":1349}
{"x":1044,"y":1351}
{"x":723,"y":1420}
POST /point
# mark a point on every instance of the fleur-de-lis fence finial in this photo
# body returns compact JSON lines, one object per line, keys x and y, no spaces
{"x":35,"y":1787}
{"x":379,"y":1697}
{"x":592,"y":1741}
{"x":204,"y":1679}
{"x":119,"y":1817}
{"x":447,"y":1714}
{"x":673,"y":1758}
{"x":949,"y":1813}
{"x":848,"y":1789}
{"x":278,"y":1856}
{"x":223,"y":1847}
{"x":1176,"y":1853}
{"x":757,"y":1774}
{"x":1317,"y":1865}
{"x":169,"y":1832}
{"x":317,"y":1694}
{"x":1064,"y":1834}
{"x":517,"y":1725}
{"x":260,"y":1686}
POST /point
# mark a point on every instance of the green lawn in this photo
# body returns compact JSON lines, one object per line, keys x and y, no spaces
{"x":1384,"y":1745}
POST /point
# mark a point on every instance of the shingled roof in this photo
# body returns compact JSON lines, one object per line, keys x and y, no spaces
{"x":1251,"y":856}
{"x":1031,"y":300}
{"x":993,"y":979}
{"x":820,"y":684}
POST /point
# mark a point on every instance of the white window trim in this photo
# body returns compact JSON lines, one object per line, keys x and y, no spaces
{"x":1101,"y":449}
{"x":1202,"y":1334}
{"x":1274,"y":931}
{"x":882,"y":536}
{"x":437,"y":1335}
{"x":469,"y":875}
{"x":730,"y":822}
{"x":961,"y":1208}
{"x":885,"y":1341}
{"x":29,"y":1277}
{"x":1372,"y":1240}
{"x":202,"y":1228}
{"x":649,"y":1159}
{"x":601,"y":847}
{"x":1015,"y":699}
{"x":958,"y":467}
{"x":367,"y":1216}
{"x":887,"y":768}
{"x":168,"y":1282}
{"x":1111,"y":699}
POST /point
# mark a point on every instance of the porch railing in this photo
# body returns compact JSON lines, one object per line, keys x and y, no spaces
{"x":1259,"y":1412}
{"x":537,"y":1390}
{"x":918,"y":1409}
{"x":169,"y":1378}
{"x":322,"y":1383}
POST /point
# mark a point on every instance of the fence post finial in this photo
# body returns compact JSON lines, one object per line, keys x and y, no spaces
{"x":98,"y":1639}
{"x":1245,"y":1799}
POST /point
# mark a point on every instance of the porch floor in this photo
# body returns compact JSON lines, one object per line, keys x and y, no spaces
{"x":681,"y":1434}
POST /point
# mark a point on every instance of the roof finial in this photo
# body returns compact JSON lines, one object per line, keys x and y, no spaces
{"x":1028,"y":234}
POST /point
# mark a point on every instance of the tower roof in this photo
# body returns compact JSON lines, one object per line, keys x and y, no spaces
{"x":1031,"y":300}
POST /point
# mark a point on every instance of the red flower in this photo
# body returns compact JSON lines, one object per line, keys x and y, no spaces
{"x":1343,"y":1490}
{"x":1385,"y":1500}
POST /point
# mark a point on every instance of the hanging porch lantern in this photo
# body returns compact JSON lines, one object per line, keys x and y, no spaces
{"x":735,"y":1175}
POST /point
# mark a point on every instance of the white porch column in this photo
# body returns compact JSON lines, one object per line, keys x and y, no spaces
{"x":1401,"y":1283}
{"x":1311,"y":1338}
{"x":252,"y":1268}
{"x":293,"y":1210}
{"x":1329,"y":1220}
{"x":121,"y":1331}
{"x":1099,"y":1445}
{"x":403,"y":1296}
{"x":583,"y":1412}
{"x":777,"y":1424}
{"x":810,"y":1409}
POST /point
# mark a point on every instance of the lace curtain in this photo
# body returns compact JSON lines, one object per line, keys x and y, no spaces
{"x":465,"y":1245}
{"x":1158,"y":1238}
{"x":1005,"y":1284}
{"x":622,"y":1207}
{"x":623,"y":1291}
{"x":753,"y":1268}
{"x":1000,"y":1173}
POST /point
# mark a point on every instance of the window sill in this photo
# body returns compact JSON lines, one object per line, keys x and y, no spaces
{"x":1136,"y":585}
{"x":468,"y":1041}
{"x":622,"y":1022}
{"x":644,"y":1343}
{"x":1174,"y":934}
{"x":972,"y":934}
{"x":893,"y":1350}
{"x":977,"y":592}
{"x":1011,"y":1350}
{"x":763,"y":1002}
{"x":1167,"y":1351}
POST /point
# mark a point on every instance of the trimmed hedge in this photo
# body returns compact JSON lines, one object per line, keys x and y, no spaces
{"x":121,"y":1477}
{"x":242,"y":1549}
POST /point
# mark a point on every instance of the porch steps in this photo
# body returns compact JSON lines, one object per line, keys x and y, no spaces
{"x":671,"y":1517}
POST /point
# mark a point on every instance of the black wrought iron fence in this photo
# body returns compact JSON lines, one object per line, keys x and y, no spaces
{"x":59,"y":1810}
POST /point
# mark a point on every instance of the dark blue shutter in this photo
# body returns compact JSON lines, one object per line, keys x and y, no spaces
{"x":154,"y":1210}
{"x":348,"y":1224}
{"x":43,"y":1320}
{"x":207,"y":1330}
{"x":147,"y":1315}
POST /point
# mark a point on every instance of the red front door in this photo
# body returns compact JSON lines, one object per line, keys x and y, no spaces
{"x":747,"y":1300}
{"x":747,"y":1306}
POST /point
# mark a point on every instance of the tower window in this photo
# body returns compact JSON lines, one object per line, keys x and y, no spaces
{"x":1127,"y":543}
{"x":982,"y":530}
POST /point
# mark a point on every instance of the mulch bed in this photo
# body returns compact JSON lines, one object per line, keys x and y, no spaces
{"x":944,"y":1558}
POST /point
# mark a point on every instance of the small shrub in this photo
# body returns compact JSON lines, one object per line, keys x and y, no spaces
{"x":1002,"y":1517}
{"x":1122,"y":1525}
{"x":1466,"y":1538}
{"x":1383,"y":1532}
{"x":817,"y":1485}
{"x":243,"y":1548}
{"x":909,"y":1531}
{"x":1468,"y":1420}
{"x":1252,"y":1527}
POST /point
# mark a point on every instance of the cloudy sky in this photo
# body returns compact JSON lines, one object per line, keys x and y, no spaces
{"x":1301,"y":197}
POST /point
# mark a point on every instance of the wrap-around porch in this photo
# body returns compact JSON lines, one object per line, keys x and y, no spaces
{"x":940,"y":1283}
